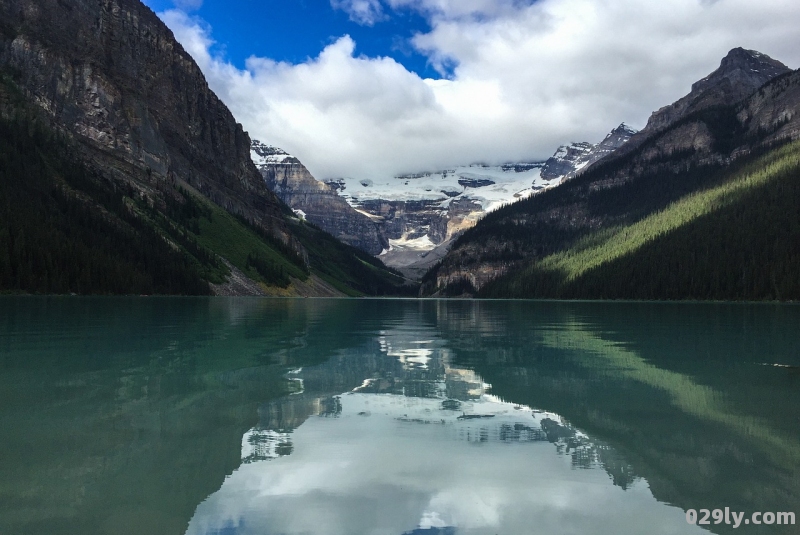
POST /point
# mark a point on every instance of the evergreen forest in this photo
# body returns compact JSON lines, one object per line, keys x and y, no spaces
{"x":65,"y":228}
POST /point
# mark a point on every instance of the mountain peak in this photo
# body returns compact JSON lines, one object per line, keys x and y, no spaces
{"x":263,"y":154}
{"x":744,"y":70}
{"x":623,"y":128}
{"x":569,"y":160}
{"x":739,"y":55}
{"x":740,"y":73}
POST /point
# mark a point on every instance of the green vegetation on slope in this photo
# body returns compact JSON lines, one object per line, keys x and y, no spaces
{"x":348,"y":269}
{"x":65,"y":228}
{"x":258,"y":255}
{"x":739,"y":239}
{"x":605,"y":203}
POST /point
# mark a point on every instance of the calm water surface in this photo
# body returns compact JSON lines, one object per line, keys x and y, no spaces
{"x":266,"y":416}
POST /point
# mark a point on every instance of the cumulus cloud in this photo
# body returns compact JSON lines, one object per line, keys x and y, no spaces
{"x":521,"y":78}
{"x":365,"y":12}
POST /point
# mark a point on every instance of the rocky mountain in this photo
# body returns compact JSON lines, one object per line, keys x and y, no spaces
{"x":649,"y":206}
{"x":410,"y":220}
{"x":740,"y":73}
{"x":112,"y":74}
{"x":314,"y":200}
{"x":117,"y":123}
{"x":569,"y":160}
{"x":419,"y":214}
{"x":407,"y":220}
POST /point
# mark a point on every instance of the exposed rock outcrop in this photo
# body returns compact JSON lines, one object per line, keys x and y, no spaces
{"x":569,"y":160}
{"x":741,"y":72}
{"x":746,"y":105}
{"x":110,"y":73}
{"x":314,"y":200}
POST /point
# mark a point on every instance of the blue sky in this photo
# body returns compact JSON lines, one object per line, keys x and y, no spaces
{"x":295,"y":30}
{"x":369,"y":88}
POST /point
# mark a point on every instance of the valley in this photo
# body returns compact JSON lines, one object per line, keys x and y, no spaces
{"x":410,"y":220}
{"x":124,"y":173}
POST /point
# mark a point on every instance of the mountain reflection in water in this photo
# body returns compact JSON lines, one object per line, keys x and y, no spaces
{"x":390,"y":437}
{"x":240,"y":416}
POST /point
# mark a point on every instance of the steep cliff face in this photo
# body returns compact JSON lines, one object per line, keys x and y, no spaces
{"x":318,"y":202}
{"x":567,"y":159}
{"x":740,"y":73}
{"x":774,"y":109}
{"x":157,"y":161}
{"x":111,"y":73}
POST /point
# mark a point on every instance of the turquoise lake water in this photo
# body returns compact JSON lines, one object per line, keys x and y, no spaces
{"x":234,"y":416}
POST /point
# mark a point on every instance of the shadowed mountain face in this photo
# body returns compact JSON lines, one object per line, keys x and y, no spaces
{"x":106,"y":116}
{"x":722,"y":135}
{"x":112,"y":74}
{"x":740,"y":73}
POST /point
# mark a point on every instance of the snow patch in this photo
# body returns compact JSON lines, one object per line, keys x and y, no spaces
{"x":417,"y":244}
{"x":510,"y":182}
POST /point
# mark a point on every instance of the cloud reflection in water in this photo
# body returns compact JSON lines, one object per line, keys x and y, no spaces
{"x":397,"y":441}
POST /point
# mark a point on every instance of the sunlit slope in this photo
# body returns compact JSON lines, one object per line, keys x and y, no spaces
{"x":270,"y":263}
{"x":739,"y":239}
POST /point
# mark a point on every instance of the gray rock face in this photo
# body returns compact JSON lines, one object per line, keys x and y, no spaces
{"x":740,"y":73}
{"x":318,"y":202}
{"x":566,"y":160}
{"x":774,"y":109}
{"x":569,"y":160}
{"x":110,"y":73}
{"x":409,"y":219}
{"x":614,"y":140}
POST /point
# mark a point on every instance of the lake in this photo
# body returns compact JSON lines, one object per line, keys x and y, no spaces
{"x":233,"y":416}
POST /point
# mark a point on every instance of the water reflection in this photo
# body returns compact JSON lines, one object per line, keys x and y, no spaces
{"x":391,"y":437}
{"x":366,"y":416}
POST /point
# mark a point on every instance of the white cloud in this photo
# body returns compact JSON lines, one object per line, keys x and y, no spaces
{"x":527,"y":77}
{"x":365,"y":12}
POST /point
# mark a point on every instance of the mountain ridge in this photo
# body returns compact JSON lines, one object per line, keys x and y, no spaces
{"x":314,"y":200}
{"x":741,"y":72}
{"x":640,"y":178}
{"x":569,"y":160}
{"x":154,"y":157}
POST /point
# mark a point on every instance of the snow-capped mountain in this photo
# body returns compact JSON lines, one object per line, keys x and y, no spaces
{"x":569,"y":160}
{"x":488,"y":186}
{"x":314,"y":200}
{"x":423,"y":212}
{"x":409,"y":220}
{"x":263,"y":154}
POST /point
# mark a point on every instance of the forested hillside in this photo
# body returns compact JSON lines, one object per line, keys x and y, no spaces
{"x":737,"y":239}
{"x":122,"y":172}
{"x":704,"y":208}
{"x":68,"y":228}
{"x":63,"y":230}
